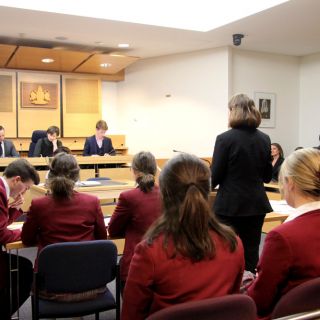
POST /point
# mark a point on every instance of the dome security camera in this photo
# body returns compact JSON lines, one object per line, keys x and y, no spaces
{"x":237,"y":38}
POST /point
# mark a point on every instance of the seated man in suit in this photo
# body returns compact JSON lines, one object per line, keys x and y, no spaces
{"x":7,"y":148}
{"x":45,"y":147}
{"x":99,"y":144}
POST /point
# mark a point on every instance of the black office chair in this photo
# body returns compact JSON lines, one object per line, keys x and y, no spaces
{"x":36,"y":135}
{"x":74,"y":268}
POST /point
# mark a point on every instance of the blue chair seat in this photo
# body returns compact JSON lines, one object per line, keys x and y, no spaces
{"x":56,"y":309}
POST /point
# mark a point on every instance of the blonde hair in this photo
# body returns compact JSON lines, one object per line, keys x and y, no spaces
{"x":243,"y":112}
{"x":303,"y":166}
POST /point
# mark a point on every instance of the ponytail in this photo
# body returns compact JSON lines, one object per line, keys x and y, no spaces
{"x":146,"y":182}
{"x":194,"y":240}
{"x":63,"y":174}
{"x":61,"y":187}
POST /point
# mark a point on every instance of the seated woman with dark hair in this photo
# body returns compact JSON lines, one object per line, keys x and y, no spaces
{"x":64,"y":215}
{"x":137,"y":209}
{"x":290,"y":254}
{"x":45,"y":147}
{"x":187,"y":254}
{"x":277,"y":160}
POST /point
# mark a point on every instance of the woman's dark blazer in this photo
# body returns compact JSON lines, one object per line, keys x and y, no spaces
{"x":91,"y":146}
{"x":241,"y":163}
{"x":276,"y":169}
{"x":44,"y":148}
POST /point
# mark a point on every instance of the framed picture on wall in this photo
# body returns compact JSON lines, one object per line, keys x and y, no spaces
{"x":266,"y":104}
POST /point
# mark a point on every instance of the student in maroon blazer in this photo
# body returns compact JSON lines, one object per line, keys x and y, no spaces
{"x":187,"y":254}
{"x":17,"y":178}
{"x":290,"y":254}
{"x":137,"y":209}
{"x":65,"y":215}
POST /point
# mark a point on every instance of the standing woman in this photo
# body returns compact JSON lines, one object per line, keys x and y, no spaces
{"x":277,"y":159}
{"x":241,"y":164}
{"x":137,"y":209}
{"x":187,"y":254}
{"x":64,"y":215}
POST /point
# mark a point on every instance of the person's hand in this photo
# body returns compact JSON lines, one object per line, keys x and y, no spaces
{"x":107,"y":155}
{"x":17,"y":202}
{"x":55,"y":144}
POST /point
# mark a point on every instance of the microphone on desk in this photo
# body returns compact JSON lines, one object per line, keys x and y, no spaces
{"x":73,"y":142}
{"x":178,"y":151}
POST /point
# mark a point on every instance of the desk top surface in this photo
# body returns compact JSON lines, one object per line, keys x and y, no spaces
{"x":45,"y":161}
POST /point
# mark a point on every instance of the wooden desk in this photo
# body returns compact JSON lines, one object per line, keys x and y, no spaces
{"x":104,"y":193}
{"x":94,"y":160}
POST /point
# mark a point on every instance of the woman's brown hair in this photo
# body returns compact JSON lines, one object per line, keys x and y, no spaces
{"x":277,"y":145}
{"x":187,"y":218}
{"x":101,"y":124}
{"x":63,"y":174}
{"x":243,"y":113}
{"x":145,"y":167}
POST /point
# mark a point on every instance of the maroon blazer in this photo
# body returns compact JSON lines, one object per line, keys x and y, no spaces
{"x":290,"y":257}
{"x":51,"y":221}
{"x":7,"y":216}
{"x":157,"y":281}
{"x":134,"y":214}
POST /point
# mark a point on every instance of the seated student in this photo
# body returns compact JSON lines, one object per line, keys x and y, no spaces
{"x":7,"y":148}
{"x":290,"y":254}
{"x":277,"y":159}
{"x":17,"y":178}
{"x":187,"y":254}
{"x":64,"y":215}
{"x":45,"y":147}
{"x":137,"y":209}
{"x":99,"y":144}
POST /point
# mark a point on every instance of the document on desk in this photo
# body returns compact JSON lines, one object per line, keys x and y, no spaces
{"x":88,"y":183}
{"x":106,"y":221}
{"x":281,"y":206}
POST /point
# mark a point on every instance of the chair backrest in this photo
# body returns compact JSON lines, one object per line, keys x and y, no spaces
{"x":36,"y":135}
{"x":72,"y":267}
{"x":236,"y":306}
{"x":305,"y":297}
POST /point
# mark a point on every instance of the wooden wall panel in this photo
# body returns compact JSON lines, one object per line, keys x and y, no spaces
{"x":8,"y":112}
{"x":81,"y":105}
{"x":30,"y":119}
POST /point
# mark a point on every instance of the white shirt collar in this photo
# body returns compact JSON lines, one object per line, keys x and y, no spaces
{"x":6,"y":186}
{"x":307,"y":207}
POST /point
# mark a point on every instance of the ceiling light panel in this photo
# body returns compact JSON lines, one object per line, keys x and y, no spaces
{"x":196,"y":15}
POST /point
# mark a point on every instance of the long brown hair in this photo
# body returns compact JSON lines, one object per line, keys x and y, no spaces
{"x":145,"y":166}
{"x":63,"y":174}
{"x":187,"y":218}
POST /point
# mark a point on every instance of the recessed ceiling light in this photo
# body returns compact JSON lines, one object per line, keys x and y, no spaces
{"x":47,"y":60}
{"x":123,"y":45}
{"x":62,"y":38}
{"x":105,"y":65}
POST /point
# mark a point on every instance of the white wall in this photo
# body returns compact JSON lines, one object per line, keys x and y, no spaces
{"x":279,"y":74}
{"x":309,"y":110}
{"x":193,"y":114}
{"x":110,"y":106}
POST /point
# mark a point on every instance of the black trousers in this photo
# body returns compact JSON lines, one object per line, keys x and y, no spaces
{"x":249,"y":230}
{"x":25,"y":283}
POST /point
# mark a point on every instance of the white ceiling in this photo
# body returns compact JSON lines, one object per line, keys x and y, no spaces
{"x":292,"y":28}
